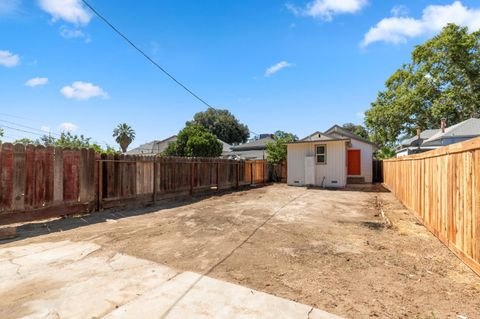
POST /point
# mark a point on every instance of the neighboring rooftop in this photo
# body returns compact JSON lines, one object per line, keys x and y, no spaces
{"x":468,"y":128}
{"x":153,"y":147}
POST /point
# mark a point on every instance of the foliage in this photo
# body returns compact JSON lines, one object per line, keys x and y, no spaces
{"x":73,"y":141}
{"x":441,"y":81}
{"x":69,"y":140}
{"x":24,"y":141}
{"x":358,"y":130}
{"x":385,"y":152}
{"x":46,"y":140}
{"x":222,"y":124}
{"x":1,"y":134}
{"x":277,"y":150}
{"x":195,"y":141}
{"x":124,"y":135}
{"x":284,"y":135}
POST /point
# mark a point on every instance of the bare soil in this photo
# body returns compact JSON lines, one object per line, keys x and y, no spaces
{"x":330,"y":249}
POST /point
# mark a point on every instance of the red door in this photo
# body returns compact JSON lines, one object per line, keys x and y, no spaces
{"x":354,"y":162}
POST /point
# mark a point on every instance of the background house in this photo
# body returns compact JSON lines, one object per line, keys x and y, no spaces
{"x":431,"y":139}
{"x":158,"y":146}
{"x":254,"y":149}
{"x":331,"y":159}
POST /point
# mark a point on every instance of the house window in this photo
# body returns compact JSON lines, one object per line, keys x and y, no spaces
{"x":321,"y":154}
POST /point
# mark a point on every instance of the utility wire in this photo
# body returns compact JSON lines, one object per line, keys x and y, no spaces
{"x":143,"y":53}
{"x":31,"y":128}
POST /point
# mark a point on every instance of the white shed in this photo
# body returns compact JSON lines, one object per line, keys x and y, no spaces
{"x":331,"y":159}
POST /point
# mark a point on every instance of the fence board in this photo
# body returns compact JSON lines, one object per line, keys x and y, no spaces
{"x":442,"y":188}
{"x":39,"y":182}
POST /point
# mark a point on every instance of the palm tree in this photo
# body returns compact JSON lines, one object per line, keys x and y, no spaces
{"x":124,"y":135}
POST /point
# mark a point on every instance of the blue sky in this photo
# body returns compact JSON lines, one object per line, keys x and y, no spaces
{"x":298,"y":66}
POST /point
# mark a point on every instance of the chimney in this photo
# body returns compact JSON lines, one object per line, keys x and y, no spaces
{"x":419,"y":131}
{"x":443,"y":124}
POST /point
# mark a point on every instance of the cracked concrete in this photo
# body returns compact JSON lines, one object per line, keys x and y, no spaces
{"x":82,"y":280}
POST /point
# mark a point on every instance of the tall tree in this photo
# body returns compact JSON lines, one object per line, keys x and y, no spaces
{"x":277,"y":150}
{"x":222,"y":124}
{"x":124,"y":135}
{"x":441,"y":81}
{"x":195,"y":141}
{"x":285,"y":135}
{"x":1,"y":134}
{"x":358,"y":130}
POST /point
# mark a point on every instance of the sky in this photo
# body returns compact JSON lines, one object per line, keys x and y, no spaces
{"x":298,"y":66}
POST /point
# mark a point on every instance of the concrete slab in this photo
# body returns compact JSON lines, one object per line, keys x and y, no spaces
{"x":82,"y":280}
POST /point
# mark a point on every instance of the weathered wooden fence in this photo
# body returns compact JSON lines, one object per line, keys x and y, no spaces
{"x":40,"y":182}
{"x":442,"y":188}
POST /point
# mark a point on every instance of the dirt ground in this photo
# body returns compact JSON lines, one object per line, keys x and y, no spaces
{"x":330,"y":249}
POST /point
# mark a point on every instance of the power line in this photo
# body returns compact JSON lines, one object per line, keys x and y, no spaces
{"x":29,"y":127}
{"x":20,"y":130}
{"x":144,"y":54}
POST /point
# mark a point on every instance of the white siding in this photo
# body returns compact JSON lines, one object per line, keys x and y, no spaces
{"x":332,"y":174}
{"x":366,"y":155}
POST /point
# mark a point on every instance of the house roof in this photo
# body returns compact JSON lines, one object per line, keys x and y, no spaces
{"x":468,"y":128}
{"x":157,"y":147}
{"x":423,"y":136}
{"x":319,"y":137}
{"x":153,"y":147}
{"x":336,"y":129}
{"x":259,"y":144}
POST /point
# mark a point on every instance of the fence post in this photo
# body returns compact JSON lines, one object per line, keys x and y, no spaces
{"x":192,"y":179}
{"x":251,"y":173}
{"x":100,"y":185}
{"x":217,"y":177}
{"x":263,"y":172}
{"x":154,"y":197}
{"x":238,"y":174}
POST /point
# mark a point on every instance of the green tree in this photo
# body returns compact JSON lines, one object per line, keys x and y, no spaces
{"x":222,"y":124}
{"x":24,"y":141}
{"x":284,"y":135}
{"x":124,"y":135}
{"x":277,"y":150}
{"x":385,"y":152}
{"x":358,"y":130}
{"x":46,"y":140}
{"x":194,"y":141}
{"x":67,"y":139}
{"x":1,"y":134}
{"x":441,"y":81}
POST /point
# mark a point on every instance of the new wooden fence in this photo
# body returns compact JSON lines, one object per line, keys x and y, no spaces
{"x":442,"y":188}
{"x":41,"y":182}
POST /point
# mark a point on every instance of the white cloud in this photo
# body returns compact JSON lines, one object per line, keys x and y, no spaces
{"x":71,"y":11}
{"x":67,"y":127}
{"x":8,"y":6}
{"x":399,"y":10}
{"x":326,"y":9}
{"x":360,"y":115}
{"x":45,"y":129}
{"x":277,"y":67}
{"x":83,"y":91}
{"x":399,"y":29}
{"x":36,"y":82}
{"x":8,"y":59}
{"x":76,"y":33}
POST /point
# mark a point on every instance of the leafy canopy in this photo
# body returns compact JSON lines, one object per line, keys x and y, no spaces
{"x":124,"y":135}
{"x":194,"y":141}
{"x":441,"y":81}
{"x":358,"y":130}
{"x":277,"y":150}
{"x":222,"y":124}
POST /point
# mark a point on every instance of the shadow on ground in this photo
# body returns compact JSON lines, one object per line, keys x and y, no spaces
{"x":39,"y":228}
